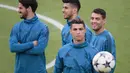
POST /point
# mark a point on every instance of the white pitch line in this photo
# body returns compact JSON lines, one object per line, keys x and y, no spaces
{"x":49,"y":20}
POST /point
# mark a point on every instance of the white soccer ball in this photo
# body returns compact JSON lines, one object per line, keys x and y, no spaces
{"x":103,"y":62}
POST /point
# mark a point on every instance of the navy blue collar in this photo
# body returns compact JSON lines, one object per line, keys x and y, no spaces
{"x":32,"y":20}
{"x":102,"y":32}
{"x":81,"y":45}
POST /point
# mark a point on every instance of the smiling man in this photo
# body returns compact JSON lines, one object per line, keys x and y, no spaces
{"x":70,"y":11}
{"x":28,"y":40}
{"x":103,"y":39}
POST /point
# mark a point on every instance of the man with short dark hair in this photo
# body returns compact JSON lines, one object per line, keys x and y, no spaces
{"x":28,"y":39}
{"x":103,"y":39}
{"x":70,"y":11}
{"x":75,"y":57}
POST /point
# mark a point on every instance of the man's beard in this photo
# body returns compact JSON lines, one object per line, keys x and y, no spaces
{"x":96,"y":29}
{"x":99,"y":27}
{"x":69,"y":17}
{"x":24,"y":16}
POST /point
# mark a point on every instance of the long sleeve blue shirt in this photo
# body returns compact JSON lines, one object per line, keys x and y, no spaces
{"x":75,"y":58}
{"x":67,"y":37}
{"x":104,"y":42}
{"x":29,"y":58}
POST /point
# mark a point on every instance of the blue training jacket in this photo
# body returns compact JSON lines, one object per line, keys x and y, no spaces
{"x":104,"y":42}
{"x":29,"y":58}
{"x":74,"y":58}
{"x":67,"y":37}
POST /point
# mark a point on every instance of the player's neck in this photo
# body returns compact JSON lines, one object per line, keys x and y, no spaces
{"x":100,"y":31}
{"x":73,"y":17}
{"x":78,"y":41}
{"x":30,"y":15}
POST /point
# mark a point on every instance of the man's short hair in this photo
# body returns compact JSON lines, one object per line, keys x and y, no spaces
{"x":76,"y":3}
{"x":100,"y":11}
{"x":32,"y":3}
{"x":77,"y":21}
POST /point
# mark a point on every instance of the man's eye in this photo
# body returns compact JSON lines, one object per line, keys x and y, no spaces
{"x":66,"y":7}
{"x":80,"y":28}
{"x":92,"y":18}
{"x":74,"y":29}
{"x":97,"y":18}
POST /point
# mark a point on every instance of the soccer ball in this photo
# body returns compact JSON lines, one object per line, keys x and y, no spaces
{"x":103,"y":62}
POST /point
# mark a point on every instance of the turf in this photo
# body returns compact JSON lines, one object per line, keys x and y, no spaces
{"x":118,"y":15}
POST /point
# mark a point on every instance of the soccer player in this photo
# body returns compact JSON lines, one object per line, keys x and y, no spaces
{"x":28,"y":39}
{"x":75,"y":57}
{"x":103,"y":39}
{"x":70,"y":11}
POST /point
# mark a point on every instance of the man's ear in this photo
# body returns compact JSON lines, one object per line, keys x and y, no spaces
{"x":29,"y":8}
{"x":105,"y":21}
{"x":70,"y":30}
{"x":74,"y":10}
{"x":85,"y":30}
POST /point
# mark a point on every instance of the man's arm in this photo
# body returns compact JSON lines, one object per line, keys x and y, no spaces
{"x":58,"y":67}
{"x":62,"y":37}
{"x":110,"y":47}
{"x":14,"y":43}
{"x":42,"y":43}
{"x":88,"y":34}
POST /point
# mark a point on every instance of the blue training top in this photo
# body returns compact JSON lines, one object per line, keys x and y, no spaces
{"x":73,"y":58}
{"x":29,"y":58}
{"x":104,"y":42}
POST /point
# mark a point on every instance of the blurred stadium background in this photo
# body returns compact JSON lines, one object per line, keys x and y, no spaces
{"x":118,"y":16}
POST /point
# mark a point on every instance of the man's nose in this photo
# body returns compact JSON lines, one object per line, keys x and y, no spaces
{"x":63,"y":10}
{"x":94,"y":20}
{"x":78,"y":31}
{"x":18,"y":10}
